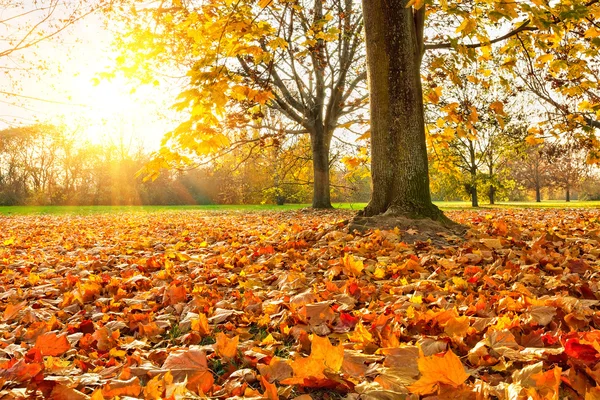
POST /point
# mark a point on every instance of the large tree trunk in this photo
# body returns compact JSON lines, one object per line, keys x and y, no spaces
{"x":399,"y":155}
{"x":320,"y":156}
{"x":568,"y":194}
{"x":492,"y":194}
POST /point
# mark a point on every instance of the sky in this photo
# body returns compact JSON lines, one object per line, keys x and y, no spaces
{"x":68,"y":88}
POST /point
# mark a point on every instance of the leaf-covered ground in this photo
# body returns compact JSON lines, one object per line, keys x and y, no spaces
{"x":291,"y":306}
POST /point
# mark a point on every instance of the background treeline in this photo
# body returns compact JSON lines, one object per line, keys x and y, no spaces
{"x":51,"y":165}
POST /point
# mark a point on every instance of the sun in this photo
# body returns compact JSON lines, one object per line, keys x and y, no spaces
{"x":113,"y":110}
{"x":75,"y":93}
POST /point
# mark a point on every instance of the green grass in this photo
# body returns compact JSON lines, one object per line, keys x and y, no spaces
{"x":444,"y":205}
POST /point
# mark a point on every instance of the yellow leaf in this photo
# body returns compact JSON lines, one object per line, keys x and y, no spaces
{"x":532,"y":140}
{"x":467,"y":26}
{"x":354,"y":266}
{"x":545,"y":58}
{"x":592,"y":32}
{"x":436,"y":370}
{"x":264,"y":3}
{"x":416,"y":299}
{"x":361,"y":335}
{"x":433,"y":96}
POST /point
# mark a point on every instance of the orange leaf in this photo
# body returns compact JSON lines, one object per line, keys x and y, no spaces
{"x":155,"y":388}
{"x":175,"y":294}
{"x":201,"y":324}
{"x":226,"y":347}
{"x":12,"y":310}
{"x":115,"y":388}
{"x":436,"y":370}
{"x":270,"y":389}
{"x":323,"y":356}
{"x":191,"y":365}
{"x":97,"y":395}
{"x":51,"y":345}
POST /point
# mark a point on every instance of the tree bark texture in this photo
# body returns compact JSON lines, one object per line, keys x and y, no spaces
{"x":320,"y":154}
{"x":474,"y":197}
{"x":398,"y":149}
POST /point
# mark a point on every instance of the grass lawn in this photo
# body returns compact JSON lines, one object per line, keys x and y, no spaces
{"x":444,"y":205}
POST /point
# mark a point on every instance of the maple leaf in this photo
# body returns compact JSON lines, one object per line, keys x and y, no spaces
{"x":323,"y":356}
{"x":175,"y":294}
{"x":190,"y":365}
{"x":436,"y":370}
{"x":353,"y":265}
{"x":12,"y":310}
{"x":116,"y":388}
{"x":226,"y":347}
{"x":50,"y":344}
{"x":20,"y":371}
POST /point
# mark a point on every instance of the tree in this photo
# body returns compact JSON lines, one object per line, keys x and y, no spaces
{"x":529,"y":164}
{"x":399,"y":155}
{"x":300,"y":58}
{"x":567,"y":166}
{"x":469,"y":130}
{"x":395,"y":46}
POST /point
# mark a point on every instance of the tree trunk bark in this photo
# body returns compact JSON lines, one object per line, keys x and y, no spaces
{"x":538,"y":189}
{"x":398,"y":150}
{"x":568,"y":196}
{"x":320,"y":156}
{"x":474,"y":199}
{"x":492,"y":189}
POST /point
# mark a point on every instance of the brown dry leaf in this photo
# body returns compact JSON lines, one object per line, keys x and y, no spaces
{"x":62,"y":392}
{"x":277,"y":370}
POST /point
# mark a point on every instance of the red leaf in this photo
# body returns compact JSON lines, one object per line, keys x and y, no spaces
{"x":582,"y":352}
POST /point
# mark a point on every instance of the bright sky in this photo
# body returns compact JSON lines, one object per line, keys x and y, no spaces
{"x":106,"y":111}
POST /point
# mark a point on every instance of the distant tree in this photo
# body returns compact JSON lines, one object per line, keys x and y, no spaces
{"x":567,"y":166}
{"x":530,"y":166}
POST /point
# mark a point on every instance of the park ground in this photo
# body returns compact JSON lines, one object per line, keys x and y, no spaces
{"x":253,"y":302}
{"x":444,"y":205}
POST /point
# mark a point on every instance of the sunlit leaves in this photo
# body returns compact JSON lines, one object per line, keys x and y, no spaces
{"x":275,"y":302}
{"x":439,"y":370}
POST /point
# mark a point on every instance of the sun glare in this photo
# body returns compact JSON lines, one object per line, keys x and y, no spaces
{"x":102,"y":110}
